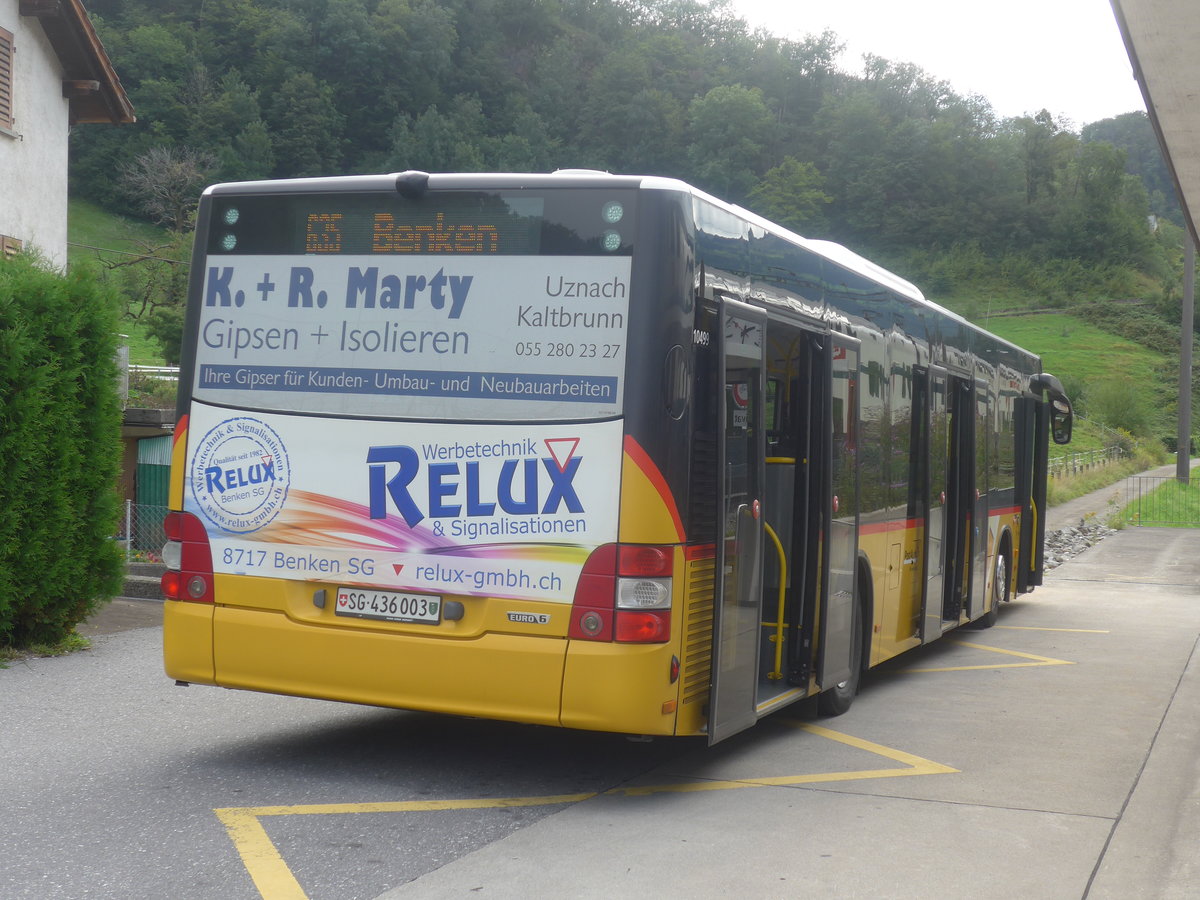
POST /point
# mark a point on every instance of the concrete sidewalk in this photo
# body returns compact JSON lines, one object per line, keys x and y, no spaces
{"x":1055,"y":756}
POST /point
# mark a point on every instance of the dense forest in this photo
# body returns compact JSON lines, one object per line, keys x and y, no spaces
{"x":886,"y":159}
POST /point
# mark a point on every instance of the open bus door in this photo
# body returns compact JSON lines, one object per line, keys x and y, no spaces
{"x":960,"y":499}
{"x":978,"y":580}
{"x":1036,"y":422}
{"x":936,"y":455}
{"x":841,"y":637}
{"x":741,"y":460}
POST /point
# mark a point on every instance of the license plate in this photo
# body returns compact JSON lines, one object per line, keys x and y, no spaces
{"x":389,"y":606}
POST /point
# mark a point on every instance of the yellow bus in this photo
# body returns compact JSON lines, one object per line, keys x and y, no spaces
{"x":577,"y":449}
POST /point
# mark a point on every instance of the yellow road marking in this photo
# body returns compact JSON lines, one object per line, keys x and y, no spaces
{"x":270,"y":873}
{"x":275,"y":880}
{"x":1035,"y":660}
{"x":913,"y":765}
{"x":267,"y":869}
{"x":1067,"y":630}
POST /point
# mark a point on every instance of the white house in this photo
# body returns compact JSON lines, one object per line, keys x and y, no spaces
{"x":54,"y":75}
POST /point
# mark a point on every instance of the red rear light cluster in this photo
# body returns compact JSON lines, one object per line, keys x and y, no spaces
{"x":189,"y":574}
{"x":624,"y":595}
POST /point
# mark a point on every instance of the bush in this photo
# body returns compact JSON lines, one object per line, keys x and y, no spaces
{"x":60,"y":423}
{"x":1119,"y":402}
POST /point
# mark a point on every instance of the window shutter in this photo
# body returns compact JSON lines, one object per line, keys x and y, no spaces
{"x":6,"y":79}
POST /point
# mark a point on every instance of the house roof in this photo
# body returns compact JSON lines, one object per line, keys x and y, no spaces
{"x":1161,"y":37}
{"x":89,"y":81}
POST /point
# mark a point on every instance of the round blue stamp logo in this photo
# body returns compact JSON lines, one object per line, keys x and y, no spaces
{"x":240,"y":475}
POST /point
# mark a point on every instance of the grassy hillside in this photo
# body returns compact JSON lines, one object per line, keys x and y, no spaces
{"x":1100,"y":369}
{"x":1071,"y":347}
{"x":98,"y":235}
{"x":100,"y":238}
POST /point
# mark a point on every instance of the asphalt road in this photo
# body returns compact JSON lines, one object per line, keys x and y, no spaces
{"x":112,"y":774}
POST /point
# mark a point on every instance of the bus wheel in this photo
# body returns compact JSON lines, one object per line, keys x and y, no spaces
{"x":999,"y":589}
{"x":837,"y":699}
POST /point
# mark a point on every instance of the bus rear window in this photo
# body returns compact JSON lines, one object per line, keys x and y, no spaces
{"x":502,"y":306}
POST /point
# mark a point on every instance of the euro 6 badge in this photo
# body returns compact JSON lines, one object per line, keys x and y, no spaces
{"x":240,"y":475}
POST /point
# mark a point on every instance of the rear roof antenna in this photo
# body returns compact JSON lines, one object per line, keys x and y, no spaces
{"x":412,"y":185}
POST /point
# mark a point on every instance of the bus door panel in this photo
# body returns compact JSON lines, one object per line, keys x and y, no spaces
{"x":1041,"y":474}
{"x":960,"y":498}
{"x":840,"y":503}
{"x":1024,"y":430}
{"x":741,"y":456}
{"x":938,"y":487}
{"x":813,"y":490}
{"x":980,"y":519}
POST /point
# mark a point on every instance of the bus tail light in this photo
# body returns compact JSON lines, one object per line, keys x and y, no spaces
{"x":188,"y":559}
{"x":643,"y":627}
{"x":624,"y":595}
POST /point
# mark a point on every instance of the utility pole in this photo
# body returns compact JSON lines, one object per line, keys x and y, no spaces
{"x":1183,"y":449}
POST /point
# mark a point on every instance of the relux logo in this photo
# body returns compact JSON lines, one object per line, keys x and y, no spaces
{"x":519,"y":487}
{"x":218,"y":480}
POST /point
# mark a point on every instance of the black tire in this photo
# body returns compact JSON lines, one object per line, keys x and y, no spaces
{"x":1000,"y":589}
{"x":837,"y":699}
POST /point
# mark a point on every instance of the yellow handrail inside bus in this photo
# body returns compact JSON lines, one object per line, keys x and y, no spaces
{"x":777,"y":672}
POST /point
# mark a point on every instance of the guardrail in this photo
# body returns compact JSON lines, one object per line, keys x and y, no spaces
{"x":158,"y":373}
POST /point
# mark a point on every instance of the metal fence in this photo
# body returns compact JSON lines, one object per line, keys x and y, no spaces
{"x":142,"y":531}
{"x":1074,"y":463}
{"x":1161,"y":500}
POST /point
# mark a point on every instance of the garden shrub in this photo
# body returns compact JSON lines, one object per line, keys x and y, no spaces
{"x":60,"y":426}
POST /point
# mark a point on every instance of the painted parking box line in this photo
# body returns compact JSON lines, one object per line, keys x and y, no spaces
{"x":1033,"y":660}
{"x":271,"y":874}
{"x":275,"y":881}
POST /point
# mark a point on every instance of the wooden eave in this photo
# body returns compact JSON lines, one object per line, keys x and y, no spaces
{"x":90,"y":83}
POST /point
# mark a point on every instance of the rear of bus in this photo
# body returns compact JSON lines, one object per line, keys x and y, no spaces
{"x":402,"y":472}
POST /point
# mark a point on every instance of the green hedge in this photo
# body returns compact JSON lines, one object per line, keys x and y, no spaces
{"x":60,"y":428}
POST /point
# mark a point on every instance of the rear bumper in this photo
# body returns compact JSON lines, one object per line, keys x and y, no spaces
{"x":518,"y":678}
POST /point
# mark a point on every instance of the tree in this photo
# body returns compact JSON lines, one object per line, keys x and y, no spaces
{"x":1044,"y":146}
{"x":166,"y":182}
{"x":306,"y":128}
{"x":791,"y":195}
{"x":437,"y":141}
{"x":422,"y":34}
{"x":1133,"y":133}
{"x":729,"y":131}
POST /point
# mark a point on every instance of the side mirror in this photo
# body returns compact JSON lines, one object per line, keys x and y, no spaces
{"x":1062,"y":416}
{"x":1061,"y":420}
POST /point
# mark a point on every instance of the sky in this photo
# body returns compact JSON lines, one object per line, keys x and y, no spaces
{"x":1066,"y":56}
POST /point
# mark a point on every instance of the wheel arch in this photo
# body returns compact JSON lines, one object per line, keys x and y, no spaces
{"x":1004,"y":545}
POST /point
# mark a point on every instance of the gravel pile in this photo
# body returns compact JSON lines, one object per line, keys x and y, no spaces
{"x":1066,"y":543}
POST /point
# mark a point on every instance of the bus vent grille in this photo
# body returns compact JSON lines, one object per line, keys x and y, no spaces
{"x":698,"y":633}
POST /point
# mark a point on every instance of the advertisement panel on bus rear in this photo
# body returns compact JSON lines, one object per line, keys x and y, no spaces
{"x":432,"y":337}
{"x":485,"y":510}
